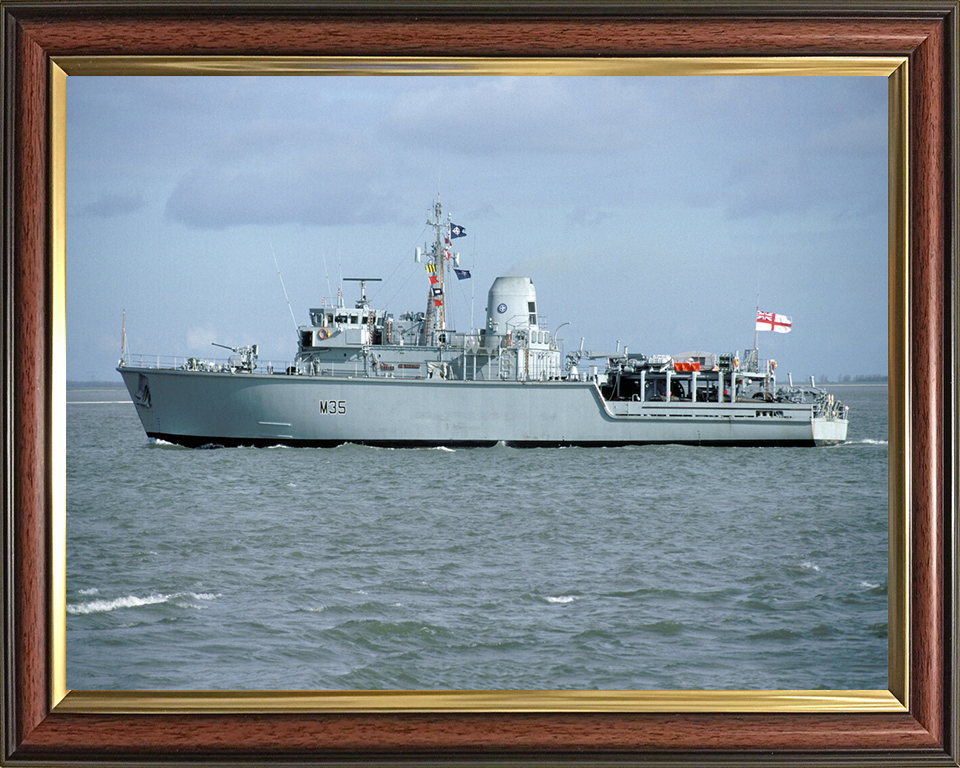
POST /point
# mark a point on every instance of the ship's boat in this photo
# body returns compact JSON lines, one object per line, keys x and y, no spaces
{"x":363,"y":376}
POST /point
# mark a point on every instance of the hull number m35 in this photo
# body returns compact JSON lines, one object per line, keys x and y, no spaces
{"x":332,"y":407}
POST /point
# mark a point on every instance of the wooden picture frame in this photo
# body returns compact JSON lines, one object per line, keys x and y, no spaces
{"x":921,"y":725}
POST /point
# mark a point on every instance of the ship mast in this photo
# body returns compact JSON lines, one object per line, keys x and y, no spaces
{"x":755,"y":355}
{"x":435,"y":316}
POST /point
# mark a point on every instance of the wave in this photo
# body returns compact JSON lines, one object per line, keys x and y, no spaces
{"x":98,"y":402}
{"x":561,"y":599}
{"x":666,"y":628}
{"x":776,"y":634}
{"x":132,"y":601}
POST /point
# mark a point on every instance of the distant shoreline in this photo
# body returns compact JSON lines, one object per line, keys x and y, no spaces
{"x":76,"y":385}
{"x":853,"y":384}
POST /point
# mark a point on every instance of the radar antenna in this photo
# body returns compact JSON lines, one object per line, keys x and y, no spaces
{"x":363,"y":287}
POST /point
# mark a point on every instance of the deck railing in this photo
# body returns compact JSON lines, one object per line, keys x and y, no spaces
{"x":194,"y":363}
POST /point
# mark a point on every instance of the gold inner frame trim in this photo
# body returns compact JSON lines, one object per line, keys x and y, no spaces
{"x":836,"y":66}
{"x":775,"y":701}
{"x":898,"y":389}
{"x":58,"y":380}
{"x":236,"y":702}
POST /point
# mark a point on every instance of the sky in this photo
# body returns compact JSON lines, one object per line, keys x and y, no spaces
{"x":650,"y":212}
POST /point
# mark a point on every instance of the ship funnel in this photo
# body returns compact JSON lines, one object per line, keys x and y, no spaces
{"x":511,"y":305}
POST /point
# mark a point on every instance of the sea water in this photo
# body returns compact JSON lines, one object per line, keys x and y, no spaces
{"x":643,"y":568}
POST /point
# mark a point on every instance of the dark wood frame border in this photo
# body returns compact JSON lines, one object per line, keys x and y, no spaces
{"x":925,"y":32}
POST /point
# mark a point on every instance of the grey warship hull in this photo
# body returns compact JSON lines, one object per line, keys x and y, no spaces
{"x":195,"y":409}
{"x":361,"y":375}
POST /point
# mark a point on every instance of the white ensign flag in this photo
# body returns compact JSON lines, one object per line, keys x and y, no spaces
{"x":769,"y":321}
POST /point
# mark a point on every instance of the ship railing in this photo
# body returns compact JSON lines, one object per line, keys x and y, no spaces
{"x":194,"y":363}
{"x":749,"y":363}
{"x":829,"y":408}
{"x":825,"y":405}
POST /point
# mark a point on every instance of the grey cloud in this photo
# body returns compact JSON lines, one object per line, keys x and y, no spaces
{"x":114,"y":204}
{"x":860,"y":135}
{"x":798,"y":180}
{"x":495,"y":116}
{"x":273,"y":137}
{"x":218,"y":198}
{"x":584,"y":217}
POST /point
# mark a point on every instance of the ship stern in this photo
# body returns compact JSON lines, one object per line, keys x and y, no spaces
{"x":829,"y":431}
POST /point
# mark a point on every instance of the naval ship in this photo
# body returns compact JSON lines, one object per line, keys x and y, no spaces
{"x":363,"y":376}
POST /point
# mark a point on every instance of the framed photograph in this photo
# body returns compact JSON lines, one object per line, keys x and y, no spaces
{"x":560,"y":575}
{"x":447,"y":711}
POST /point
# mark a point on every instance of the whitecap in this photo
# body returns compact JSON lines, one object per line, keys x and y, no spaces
{"x":91,"y":591}
{"x":132,"y":601}
{"x":561,"y":599}
{"x":868,"y":585}
{"x":808,"y":566}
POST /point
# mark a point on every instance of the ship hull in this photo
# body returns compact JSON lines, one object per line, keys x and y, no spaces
{"x":194,"y":408}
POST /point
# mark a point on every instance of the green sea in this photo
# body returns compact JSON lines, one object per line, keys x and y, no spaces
{"x":643,"y":568}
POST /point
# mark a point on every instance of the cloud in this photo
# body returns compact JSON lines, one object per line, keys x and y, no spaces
{"x":328,"y":194}
{"x":858,"y":135}
{"x":805,"y":180}
{"x":275,"y":172}
{"x":201,"y":338}
{"x":540,"y":116}
{"x":554,"y":263}
{"x":114,"y":204}
{"x":589,"y":218}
